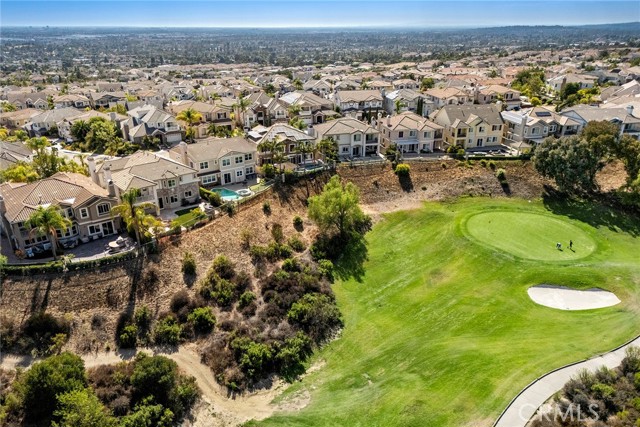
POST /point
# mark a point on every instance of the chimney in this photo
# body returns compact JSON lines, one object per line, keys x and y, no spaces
{"x":111,"y":187}
{"x":106,"y":171}
{"x":389,"y":120}
{"x":182,"y":147}
{"x":91,"y":162}
{"x":630,"y":110}
{"x":112,"y":116}
{"x":523,"y":125}
{"x":311,"y":131}
{"x":3,"y":207}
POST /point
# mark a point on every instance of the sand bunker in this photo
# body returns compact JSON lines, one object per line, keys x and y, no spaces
{"x":564,"y":298}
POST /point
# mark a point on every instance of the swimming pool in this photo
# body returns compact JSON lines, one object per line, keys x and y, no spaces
{"x":226,"y":194}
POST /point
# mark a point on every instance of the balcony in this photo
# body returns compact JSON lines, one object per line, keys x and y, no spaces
{"x":145,"y":199}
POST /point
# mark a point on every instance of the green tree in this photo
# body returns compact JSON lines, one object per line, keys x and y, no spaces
{"x":628,"y":151}
{"x":148,"y":415}
{"x":570,"y":161}
{"x":154,"y":376}
{"x":427,"y":83}
{"x":530,"y":81}
{"x":304,"y":148}
{"x":46,"y":221}
{"x":132,"y":213}
{"x":45,"y":381}
{"x":81,"y":408}
{"x":337,"y":209}
{"x":19,"y":172}
{"x":240,"y":107}
{"x":316,"y":314}
{"x":329,"y":148}
{"x":101,"y":133}
{"x":21,"y":135}
{"x":399,"y":105}
{"x":80,"y":129}
{"x":190,"y":117}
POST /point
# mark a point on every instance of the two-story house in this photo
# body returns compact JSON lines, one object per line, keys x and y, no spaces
{"x":71,"y":100}
{"x":150,"y":121}
{"x":84,"y":203}
{"x":510,"y":98}
{"x":410,"y":132}
{"x":354,"y":138}
{"x":163,"y":182}
{"x":471,"y":126}
{"x":623,"y":117}
{"x":263,"y":110}
{"x":217,"y":114}
{"x":107,"y":99}
{"x":448,"y":96}
{"x":533,"y":125}
{"x":290,"y":138}
{"x":310,"y":108}
{"x":402,"y":100}
{"x":219,"y":161}
{"x":358,"y":104}
{"x":48,"y":120}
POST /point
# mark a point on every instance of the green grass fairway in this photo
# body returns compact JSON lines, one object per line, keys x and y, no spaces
{"x":530,"y":235}
{"x":441,"y":331}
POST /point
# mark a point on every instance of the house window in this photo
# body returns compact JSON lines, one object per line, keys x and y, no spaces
{"x":552,"y":128}
{"x":94,"y":229}
{"x":238,"y":159}
{"x":103,"y":209}
{"x":187,"y":194}
{"x":481,"y":129}
{"x":84,"y":213}
{"x":174,"y":199}
{"x":239,"y":173}
{"x":545,"y":130}
{"x":357,"y":137}
{"x":226,"y":162}
{"x":534,"y":131}
{"x":496,"y":127}
{"x":209,"y":179}
{"x":412,"y":133}
{"x":249,"y":170}
{"x":171,"y":183}
{"x":69,"y":213}
{"x":292,"y":148}
{"x":426,"y":135}
{"x":204,"y":165}
{"x":345,"y":150}
{"x":401,"y":134}
{"x":248,"y":156}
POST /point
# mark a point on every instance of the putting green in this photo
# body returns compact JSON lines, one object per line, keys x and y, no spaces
{"x":529,"y":235}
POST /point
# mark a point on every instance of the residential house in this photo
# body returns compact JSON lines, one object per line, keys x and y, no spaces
{"x":84,"y":203}
{"x":312,"y":109}
{"x":263,"y":110}
{"x":22,"y":100}
{"x":162,"y":182}
{"x":533,"y":125}
{"x":12,"y":153}
{"x":153,"y":122}
{"x":219,"y":161}
{"x":358,"y":104}
{"x":510,"y":98}
{"x":354,"y":138}
{"x":76,"y":101}
{"x":17,"y":119}
{"x":319,"y":87}
{"x":410,"y":132}
{"x":47,"y":121}
{"x":585,"y":81}
{"x":624,"y":117}
{"x":448,"y":96}
{"x":471,"y":126}
{"x":216,"y":114}
{"x":408,"y":100}
{"x":290,"y":137}
{"x":405,"y":84}
{"x":107,"y":99}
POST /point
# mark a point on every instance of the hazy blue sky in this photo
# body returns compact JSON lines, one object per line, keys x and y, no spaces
{"x":314,"y":13}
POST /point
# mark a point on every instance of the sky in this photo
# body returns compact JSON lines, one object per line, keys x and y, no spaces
{"x":315,"y":13}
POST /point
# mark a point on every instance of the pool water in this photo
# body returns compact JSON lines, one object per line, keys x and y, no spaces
{"x":226,"y":194}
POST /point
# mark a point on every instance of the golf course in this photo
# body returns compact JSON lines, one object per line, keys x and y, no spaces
{"x":440,"y":330}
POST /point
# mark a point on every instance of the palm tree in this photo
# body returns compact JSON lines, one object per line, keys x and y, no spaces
{"x":276,"y":149}
{"x":399,"y":105}
{"x":305,"y":147}
{"x":189,"y":116}
{"x":240,"y":106}
{"x":46,"y":221}
{"x":21,"y":135}
{"x":134,"y":216}
{"x":328,"y":147}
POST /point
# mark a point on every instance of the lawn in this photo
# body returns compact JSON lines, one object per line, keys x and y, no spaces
{"x":185,"y":217}
{"x":441,"y":331}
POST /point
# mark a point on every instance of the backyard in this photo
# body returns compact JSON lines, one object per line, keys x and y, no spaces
{"x":447,"y":336}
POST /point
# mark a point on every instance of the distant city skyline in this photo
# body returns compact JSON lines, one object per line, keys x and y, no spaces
{"x":313,"y":14}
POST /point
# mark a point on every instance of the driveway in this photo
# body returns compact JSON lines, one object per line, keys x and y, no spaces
{"x":526,"y":404}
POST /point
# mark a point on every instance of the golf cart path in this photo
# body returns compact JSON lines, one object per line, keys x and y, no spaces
{"x":216,"y":406}
{"x":524,"y":406}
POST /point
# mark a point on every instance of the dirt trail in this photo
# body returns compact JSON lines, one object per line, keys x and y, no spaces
{"x":216,"y":407}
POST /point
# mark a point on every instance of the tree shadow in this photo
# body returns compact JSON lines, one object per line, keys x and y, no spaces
{"x":505,"y":188}
{"x":406,"y":183}
{"x":350,"y":264}
{"x":596,"y":211}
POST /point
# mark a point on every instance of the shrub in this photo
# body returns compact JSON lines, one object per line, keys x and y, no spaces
{"x":277,"y":233}
{"x":325,"y":268}
{"x":443,"y":165}
{"x":188,"y":264}
{"x":41,"y":327}
{"x":298,"y":222}
{"x":266,"y":208}
{"x":203,"y":319}
{"x":253,"y":358}
{"x":128,"y":338}
{"x":296,"y":244}
{"x":501,"y":175}
{"x":292,"y":354}
{"x":223,"y":293}
{"x":492,"y":165}
{"x":290,"y":264}
{"x":142,"y":318}
{"x":229,"y":208}
{"x":167,"y":331}
{"x":180,"y":300}
{"x":483,"y":163}
{"x":246,"y":235}
{"x":316,"y":314}
{"x":223,"y":267}
{"x":245,"y":299}
{"x":269,"y":171}
{"x":402,"y":169}
{"x":154,"y":376}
